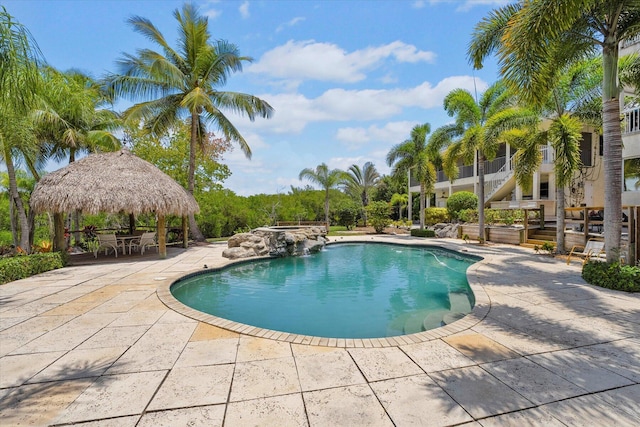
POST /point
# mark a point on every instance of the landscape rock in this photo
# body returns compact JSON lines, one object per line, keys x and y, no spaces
{"x":276,"y":242}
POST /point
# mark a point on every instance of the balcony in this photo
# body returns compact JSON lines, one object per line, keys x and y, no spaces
{"x":630,"y":41}
{"x":631,"y":120}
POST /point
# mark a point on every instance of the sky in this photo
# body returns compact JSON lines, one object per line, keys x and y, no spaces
{"x":348,"y":79}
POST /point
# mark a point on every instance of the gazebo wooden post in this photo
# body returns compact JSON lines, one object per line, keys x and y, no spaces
{"x":162,"y":237}
{"x":185,"y":232}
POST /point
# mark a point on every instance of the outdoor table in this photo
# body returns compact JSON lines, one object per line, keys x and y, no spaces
{"x":127,"y":240}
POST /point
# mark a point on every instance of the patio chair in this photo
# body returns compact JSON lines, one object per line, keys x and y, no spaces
{"x":107,"y":242}
{"x":148,"y":239}
{"x":592,"y":250}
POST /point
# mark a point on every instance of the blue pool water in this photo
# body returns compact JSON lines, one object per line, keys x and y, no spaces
{"x":345,"y":291}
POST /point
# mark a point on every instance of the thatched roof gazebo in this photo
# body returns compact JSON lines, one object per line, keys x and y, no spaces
{"x":114,"y":182}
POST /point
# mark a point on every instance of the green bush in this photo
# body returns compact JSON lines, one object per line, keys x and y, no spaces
{"x":416,"y":232}
{"x":459,"y":201}
{"x":19,"y":267}
{"x":379,"y":214}
{"x":435,"y":215}
{"x":468,"y":215}
{"x":612,"y":276}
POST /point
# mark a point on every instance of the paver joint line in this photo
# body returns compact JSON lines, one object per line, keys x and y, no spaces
{"x":514,"y":308}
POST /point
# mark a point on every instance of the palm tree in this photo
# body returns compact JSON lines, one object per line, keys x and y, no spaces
{"x":477,"y":132}
{"x":327,"y":179}
{"x":573,"y":101}
{"x":72,"y":117}
{"x":412,"y":154}
{"x":532,"y":60}
{"x":359,"y":183}
{"x":19,"y":82}
{"x":185,"y":82}
{"x":401,"y":200}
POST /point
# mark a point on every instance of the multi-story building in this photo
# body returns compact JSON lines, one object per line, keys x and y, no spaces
{"x":630,"y":105}
{"x":587,"y":185}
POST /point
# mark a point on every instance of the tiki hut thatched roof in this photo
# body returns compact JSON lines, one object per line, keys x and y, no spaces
{"x":112,"y":182}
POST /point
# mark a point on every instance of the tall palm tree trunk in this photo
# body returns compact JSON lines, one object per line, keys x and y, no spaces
{"x":612,"y":135}
{"x":422,"y":204}
{"x":193,"y":146}
{"x":612,"y":179}
{"x":15,"y":199}
{"x":326,"y":209}
{"x":481,"y":234}
{"x":560,"y":219}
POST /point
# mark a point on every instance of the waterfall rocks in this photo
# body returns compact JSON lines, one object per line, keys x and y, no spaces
{"x":276,"y":242}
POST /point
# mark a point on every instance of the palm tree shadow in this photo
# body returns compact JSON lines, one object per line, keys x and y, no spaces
{"x":54,"y":393}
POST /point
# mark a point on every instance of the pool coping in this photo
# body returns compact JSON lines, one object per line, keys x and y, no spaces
{"x":477,"y":314}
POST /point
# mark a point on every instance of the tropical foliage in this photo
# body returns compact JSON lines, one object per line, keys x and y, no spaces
{"x":185,"y":83}
{"x":532,"y":61}
{"x":413,"y":155}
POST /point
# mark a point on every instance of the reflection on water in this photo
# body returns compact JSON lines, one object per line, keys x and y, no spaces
{"x":346,"y":291}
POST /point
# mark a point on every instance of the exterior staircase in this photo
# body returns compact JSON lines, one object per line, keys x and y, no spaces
{"x":538,"y":237}
{"x":499,"y":181}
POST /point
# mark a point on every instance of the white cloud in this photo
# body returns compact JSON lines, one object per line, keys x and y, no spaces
{"x":294,"y":111}
{"x":210,"y":11}
{"x":244,"y":10}
{"x":466,"y":5}
{"x":304,"y":60}
{"x":290,"y":23}
{"x":418,"y":4}
{"x":392,"y":132}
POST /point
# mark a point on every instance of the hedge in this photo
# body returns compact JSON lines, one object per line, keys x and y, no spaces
{"x":416,"y":232}
{"x":612,"y":276}
{"x":21,"y":266}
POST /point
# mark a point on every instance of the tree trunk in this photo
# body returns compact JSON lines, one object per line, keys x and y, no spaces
{"x":14,"y":223}
{"x":422,"y":203}
{"x":193,"y":146}
{"x":480,"y":197}
{"x":559,"y":219}
{"x":14,"y":197}
{"x":59,"y":243}
{"x":326,"y":209}
{"x":612,"y":136}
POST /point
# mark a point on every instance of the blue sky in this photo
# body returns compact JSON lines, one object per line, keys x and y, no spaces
{"x":348,"y":79}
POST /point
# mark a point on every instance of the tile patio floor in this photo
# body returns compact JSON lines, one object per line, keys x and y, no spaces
{"x":93,"y":345}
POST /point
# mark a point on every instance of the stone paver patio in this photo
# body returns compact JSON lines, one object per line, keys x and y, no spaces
{"x":94,"y":345}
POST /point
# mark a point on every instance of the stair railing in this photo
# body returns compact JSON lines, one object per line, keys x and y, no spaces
{"x":498,"y":179}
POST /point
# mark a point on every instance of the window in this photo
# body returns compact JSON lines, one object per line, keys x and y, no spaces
{"x":632,"y":174}
{"x":586,"y":149}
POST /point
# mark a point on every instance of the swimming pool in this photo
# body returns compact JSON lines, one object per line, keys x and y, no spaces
{"x":354,"y":290}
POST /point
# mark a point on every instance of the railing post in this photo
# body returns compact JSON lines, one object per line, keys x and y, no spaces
{"x":541,"y":217}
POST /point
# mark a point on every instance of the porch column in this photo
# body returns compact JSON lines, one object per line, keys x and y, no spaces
{"x":508,"y":154}
{"x":536,"y":186}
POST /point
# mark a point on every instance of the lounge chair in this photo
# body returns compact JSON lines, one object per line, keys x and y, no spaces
{"x":592,"y":250}
{"x":148,"y":239}
{"x":107,"y":242}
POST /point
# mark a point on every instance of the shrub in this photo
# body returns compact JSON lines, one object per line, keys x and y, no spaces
{"x":491,"y":216}
{"x":468,"y":215}
{"x":459,"y":201}
{"x":346,"y":213}
{"x":612,"y":276}
{"x":423,"y":233}
{"x":435,"y":215}
{"x":379,"y":215}
{"x":19,"y":267}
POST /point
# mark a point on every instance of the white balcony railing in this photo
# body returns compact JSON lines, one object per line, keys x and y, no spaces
{"x":630,"y":41}
{"x":547,"y":155}
{"x":631,"y":120}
